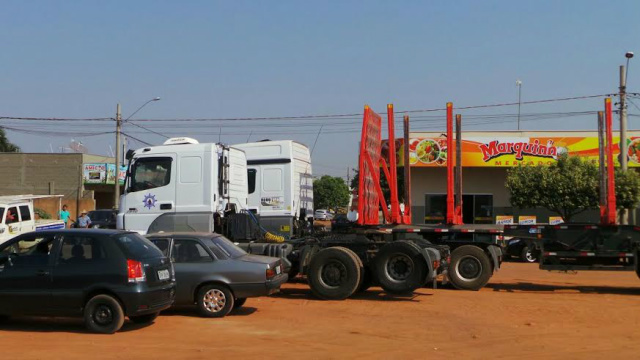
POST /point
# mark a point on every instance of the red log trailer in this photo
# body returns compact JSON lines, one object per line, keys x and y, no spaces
{"x":605,"y":246}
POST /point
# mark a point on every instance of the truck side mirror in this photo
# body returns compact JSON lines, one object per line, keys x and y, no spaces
{"x":130,"y":153}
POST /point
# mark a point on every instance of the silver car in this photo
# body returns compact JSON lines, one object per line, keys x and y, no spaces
{"x":216,"y":275}
{"x":322,"y":215}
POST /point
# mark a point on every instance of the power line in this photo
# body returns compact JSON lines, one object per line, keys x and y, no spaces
{"x":306,"y":117}
{"x":136,"y":139}
{"x":155,"y":132}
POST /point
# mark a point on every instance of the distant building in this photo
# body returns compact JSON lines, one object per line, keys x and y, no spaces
{"x":81,"y":178}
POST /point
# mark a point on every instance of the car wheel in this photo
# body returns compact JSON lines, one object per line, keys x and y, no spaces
{"x":528,"y":255}
{"x":103,"y":314}
{"x":237,"y":303}
{"x":215,"y":300}
{"x":144,"y":319}
{"x":334,"y":273}
{"x":400,"y":267}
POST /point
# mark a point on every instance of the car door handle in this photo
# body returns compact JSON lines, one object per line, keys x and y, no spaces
{"x":165,"y":206}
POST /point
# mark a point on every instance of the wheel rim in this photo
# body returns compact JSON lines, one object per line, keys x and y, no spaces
{"x":333,"y":274}
{"x":214,"y":300}
{"x":468,"y":268}
{"x":529,"y":256}
{"x":103,"y":315}
{"x":399,"y":267}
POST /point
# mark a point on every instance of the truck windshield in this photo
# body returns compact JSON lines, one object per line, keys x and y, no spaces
{"x":149,"y":173}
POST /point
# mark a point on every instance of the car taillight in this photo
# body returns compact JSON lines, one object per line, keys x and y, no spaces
{"x":271,"y":273}
{"x":134,"y":271}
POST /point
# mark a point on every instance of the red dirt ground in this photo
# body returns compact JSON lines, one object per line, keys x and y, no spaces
{"x":522,"y":313}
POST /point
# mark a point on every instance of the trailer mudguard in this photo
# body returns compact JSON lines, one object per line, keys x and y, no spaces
{"x":429,"y":256}
{"x":496,"y":255}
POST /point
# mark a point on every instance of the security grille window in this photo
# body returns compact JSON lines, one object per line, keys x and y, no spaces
{"x":150,"y":173}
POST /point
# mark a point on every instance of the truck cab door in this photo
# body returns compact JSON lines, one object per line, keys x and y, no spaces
{"x":150,"y":192}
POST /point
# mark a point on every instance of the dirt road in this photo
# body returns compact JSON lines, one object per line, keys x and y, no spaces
{"x":523,"y":312}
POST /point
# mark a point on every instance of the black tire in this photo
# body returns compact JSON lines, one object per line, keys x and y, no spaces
{"x":528,"y":255}
{"x":144,"y":319}
{"x":215,"y":300}
{"x":470,"y":268}
{"x":400,"y":267}
{"x":103,"y":314}
{"x":334,"y":273}
{"x":239,"y":302}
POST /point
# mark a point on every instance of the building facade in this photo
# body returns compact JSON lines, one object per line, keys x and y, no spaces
{"x":486,"y":158}
{"x":55,"y":173}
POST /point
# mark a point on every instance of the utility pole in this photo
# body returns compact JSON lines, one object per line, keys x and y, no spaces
{"x":622,"y":145}
{"x":116,"y":192}
{"x":519,"y":85}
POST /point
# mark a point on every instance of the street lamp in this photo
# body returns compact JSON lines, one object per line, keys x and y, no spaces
{"x":519,"y":85}
{"x":116,"y":199}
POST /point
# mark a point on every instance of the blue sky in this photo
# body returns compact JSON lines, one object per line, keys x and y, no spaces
{"x":220,"y":59}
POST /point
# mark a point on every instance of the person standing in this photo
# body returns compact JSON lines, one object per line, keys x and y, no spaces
{"x":83,"y":220}
{"x":64,"y":215}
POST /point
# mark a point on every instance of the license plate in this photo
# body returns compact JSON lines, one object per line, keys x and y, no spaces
{"x":163,"y":274}
{"x":278,"y":270}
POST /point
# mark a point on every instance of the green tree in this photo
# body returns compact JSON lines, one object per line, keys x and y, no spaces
{"x":5,"y":145}
{"x":330,"y":192}
{"x":567,"y":187}
{"x":627,"y":189}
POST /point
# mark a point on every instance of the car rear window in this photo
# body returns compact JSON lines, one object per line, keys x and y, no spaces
{"x":229,"y":248}
{"x":137,"y":247}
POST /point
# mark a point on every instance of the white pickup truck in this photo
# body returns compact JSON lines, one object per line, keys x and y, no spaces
{"x":17,"y":216}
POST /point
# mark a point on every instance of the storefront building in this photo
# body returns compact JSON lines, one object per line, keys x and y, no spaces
{"x":486,"y":158}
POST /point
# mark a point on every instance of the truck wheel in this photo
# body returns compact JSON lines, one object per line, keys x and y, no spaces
{"x":103,"y":314}
{"x":528,"y":254}
{"x":400,"y":267}
{"x":334,"y":273}
{"x":470,"y":268}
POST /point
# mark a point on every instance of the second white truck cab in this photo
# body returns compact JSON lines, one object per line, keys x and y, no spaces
{"x":182,"y":185}
{"x":17,"y":216}
{"x":280,"y":184}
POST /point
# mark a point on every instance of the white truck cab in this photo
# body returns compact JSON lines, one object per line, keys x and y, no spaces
{"x":17,"y":216}
{"x":182,"y":185}
{"x":280,"y":184}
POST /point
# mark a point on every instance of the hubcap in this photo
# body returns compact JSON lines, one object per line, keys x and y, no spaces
{"x":399,"y":267}
{"x":468,"y":268}
{"x":103,"y":315}
{"x":214,"y":300}
{"x":333,"y":274}
{"x":529,"y":256}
